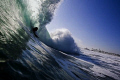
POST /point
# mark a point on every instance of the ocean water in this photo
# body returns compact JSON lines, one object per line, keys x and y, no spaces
{"x":25,"y":57}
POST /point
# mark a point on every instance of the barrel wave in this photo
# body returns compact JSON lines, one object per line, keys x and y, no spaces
{"x":26,"y":57}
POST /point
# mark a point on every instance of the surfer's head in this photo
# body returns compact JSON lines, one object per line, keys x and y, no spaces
{"x":35,"y":29}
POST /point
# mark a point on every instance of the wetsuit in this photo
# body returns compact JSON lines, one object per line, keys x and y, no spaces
{"x":34,"y":30}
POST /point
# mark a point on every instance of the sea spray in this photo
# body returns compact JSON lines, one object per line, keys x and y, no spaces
{"x":46,"y":14}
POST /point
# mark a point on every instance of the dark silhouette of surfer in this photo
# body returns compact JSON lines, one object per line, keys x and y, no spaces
{"x":34,"y":31}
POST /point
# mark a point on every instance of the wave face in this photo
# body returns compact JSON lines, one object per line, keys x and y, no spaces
{"x":25,"y":57}
{"x":17,"y":18}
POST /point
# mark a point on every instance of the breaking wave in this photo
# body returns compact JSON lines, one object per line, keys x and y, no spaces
{"x":63,"y":41}
{"x":25,"y":57}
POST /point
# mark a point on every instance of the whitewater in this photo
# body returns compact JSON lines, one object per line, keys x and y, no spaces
{"x":25,"y":57}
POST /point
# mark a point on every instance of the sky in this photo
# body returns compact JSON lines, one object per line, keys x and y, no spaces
{"x":93,"y":23}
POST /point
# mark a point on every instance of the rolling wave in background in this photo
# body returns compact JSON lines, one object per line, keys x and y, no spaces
{"x":53,"y":56}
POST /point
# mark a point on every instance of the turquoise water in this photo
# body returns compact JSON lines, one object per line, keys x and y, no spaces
{"x":17,"y":17}
{"x":25,"y":57}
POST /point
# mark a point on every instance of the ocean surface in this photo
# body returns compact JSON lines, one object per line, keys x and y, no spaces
{"x":25,"y":57}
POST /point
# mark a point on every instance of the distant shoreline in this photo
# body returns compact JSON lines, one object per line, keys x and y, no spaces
{"x":101,"y":51}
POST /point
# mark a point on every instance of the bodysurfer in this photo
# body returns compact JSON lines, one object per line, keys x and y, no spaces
{"x":34,"y":31}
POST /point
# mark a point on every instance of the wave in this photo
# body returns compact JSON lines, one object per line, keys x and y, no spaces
{"x":63,"y":41}
{"x":25,"y":57}
{"x":17,"y":16}
{"x":28,"y":14}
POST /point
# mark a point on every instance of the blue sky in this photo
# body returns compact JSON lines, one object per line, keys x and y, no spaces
{"x":96,"y":23}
